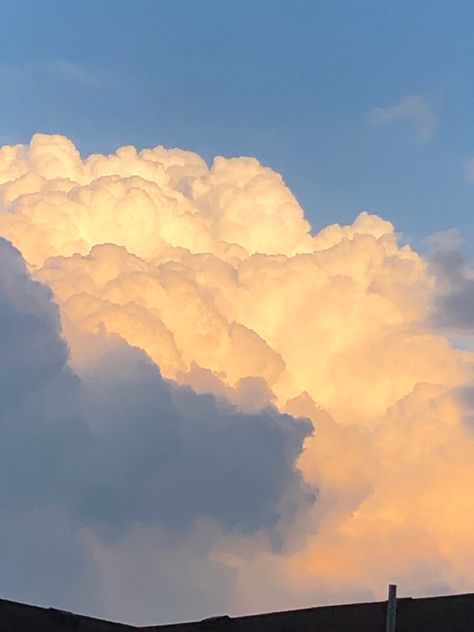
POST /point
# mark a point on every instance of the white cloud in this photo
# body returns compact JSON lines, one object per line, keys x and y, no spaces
{"x":412,"y":109}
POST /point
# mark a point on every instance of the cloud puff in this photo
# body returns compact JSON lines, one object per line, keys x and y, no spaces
{"x":411,"y":109}
{"x":235,"y":208}
{"x":171,"y":275}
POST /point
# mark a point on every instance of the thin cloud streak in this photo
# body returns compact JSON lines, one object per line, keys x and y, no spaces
{"x":413,"y":109}
{"x":59,"y":69}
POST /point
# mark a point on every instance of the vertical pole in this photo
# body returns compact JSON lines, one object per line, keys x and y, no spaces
{"x":391,"y":608}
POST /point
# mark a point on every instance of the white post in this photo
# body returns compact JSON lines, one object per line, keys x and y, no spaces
{"x":391,"y":608}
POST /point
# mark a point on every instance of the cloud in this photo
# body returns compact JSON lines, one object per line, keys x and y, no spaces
{"x":469,"y":169}
{"x":75,"y":73}
{"x":203,"y":321}
{"x":412,"y":109}
{"x":28,"y":321}
{"x":64,"y":70}
{"x":445,"y":240}
{"x":96,"y":455}
{"x":188,"y":455}
{"x":454,"y":307}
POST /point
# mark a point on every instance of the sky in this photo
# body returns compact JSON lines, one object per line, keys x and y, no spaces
{"x":292,"y":85}
{"x":236,"y":304}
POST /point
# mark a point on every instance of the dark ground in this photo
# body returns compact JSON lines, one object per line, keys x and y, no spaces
{"x":435,"y":614}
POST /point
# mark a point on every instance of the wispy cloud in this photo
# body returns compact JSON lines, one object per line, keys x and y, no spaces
{"x":77,"y":73}
{"x":412,"y":109}
{"x":61,"y":69}
{"x":469,"y":170}
{"x":444,"y":240}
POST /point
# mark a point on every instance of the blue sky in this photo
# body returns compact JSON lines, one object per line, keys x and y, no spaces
{"x":294,"y":84}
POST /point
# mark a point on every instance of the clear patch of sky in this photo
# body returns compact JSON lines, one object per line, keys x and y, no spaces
{"x":291,"y":83}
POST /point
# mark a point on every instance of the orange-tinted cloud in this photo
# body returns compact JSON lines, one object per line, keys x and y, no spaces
{"x":214,"y":273}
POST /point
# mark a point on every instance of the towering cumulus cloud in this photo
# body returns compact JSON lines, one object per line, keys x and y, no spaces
{"x":159,"y":458}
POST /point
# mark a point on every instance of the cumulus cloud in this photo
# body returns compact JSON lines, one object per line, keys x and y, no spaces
{"x":412,"y":109}
{"x":204,"y":322}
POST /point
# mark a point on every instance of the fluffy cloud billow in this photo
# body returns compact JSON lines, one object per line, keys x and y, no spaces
{"x":205,"y":325}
